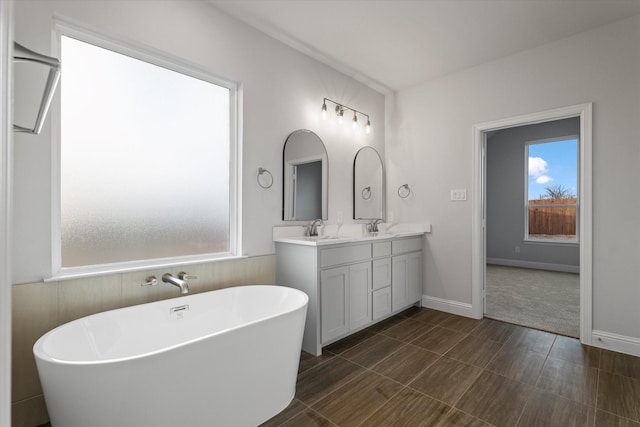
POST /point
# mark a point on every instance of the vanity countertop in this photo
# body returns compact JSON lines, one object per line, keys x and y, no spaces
{"x":290,"y":235}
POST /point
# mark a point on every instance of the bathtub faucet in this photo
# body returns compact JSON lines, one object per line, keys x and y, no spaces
{"x":180,"y":281}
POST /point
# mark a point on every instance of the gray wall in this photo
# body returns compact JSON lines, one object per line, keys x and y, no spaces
{"x":429,"y":144}
{"x":505,"y":199}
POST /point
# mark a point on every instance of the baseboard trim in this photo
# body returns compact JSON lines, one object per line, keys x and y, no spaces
{"x":564,"y":268}
{"x":448,"y":306}
{"x":615,"y":342}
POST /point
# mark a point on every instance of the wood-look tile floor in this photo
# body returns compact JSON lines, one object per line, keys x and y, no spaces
{"x":428,"y":368}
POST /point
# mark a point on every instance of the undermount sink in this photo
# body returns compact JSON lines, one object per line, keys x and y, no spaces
{"x":367,"y":236}
{"x":325,"y":237}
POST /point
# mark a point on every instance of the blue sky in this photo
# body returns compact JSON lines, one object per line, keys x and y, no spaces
{"x":553,"y":163}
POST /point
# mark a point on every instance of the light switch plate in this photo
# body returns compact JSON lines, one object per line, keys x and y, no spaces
{"x":458,"y":195}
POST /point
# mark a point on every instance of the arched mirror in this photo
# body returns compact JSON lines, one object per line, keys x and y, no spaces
{"x":368,"y":185}
{"x":305,"y":184}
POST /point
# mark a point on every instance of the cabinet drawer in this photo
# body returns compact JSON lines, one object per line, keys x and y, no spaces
{"x":381,"y":273}
{"x":381,"y":302}
{"x":344,"y":255}
{"x":381,"y":249}
{"x":406,"y":245}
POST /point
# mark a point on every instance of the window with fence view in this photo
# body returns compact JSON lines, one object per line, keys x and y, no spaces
{"x":552,"y":190}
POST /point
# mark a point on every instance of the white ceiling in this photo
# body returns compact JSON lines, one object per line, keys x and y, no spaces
{"x":394,"y":44}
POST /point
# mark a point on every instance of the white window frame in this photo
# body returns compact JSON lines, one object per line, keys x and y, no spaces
{"x":162,"y":59}
{"x":576,"y":205}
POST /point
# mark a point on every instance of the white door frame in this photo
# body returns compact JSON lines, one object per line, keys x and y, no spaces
{"x":478,"y":223}
{"x":6,"y":117}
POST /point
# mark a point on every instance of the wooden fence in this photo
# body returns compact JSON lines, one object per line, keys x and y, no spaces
{"x":552,"y":220}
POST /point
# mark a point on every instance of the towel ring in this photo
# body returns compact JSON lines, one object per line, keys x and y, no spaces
{"x":264,"y":178}
{"x":366,"y":193}
{"x":404,"y":191}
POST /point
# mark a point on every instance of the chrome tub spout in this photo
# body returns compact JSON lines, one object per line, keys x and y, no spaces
{"x":176,"y":281}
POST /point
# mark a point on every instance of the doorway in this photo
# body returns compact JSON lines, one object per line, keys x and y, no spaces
{"x":532,"y":244}
{"x":479,"y":220}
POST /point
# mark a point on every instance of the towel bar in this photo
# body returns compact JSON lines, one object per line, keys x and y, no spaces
{"x":22,"y":54}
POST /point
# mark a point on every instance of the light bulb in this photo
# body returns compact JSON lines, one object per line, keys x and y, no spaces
{"x":367,"y":128}
{"x":324,"y":110}
{"x":340,"y":113}
{"x":355,"y":121}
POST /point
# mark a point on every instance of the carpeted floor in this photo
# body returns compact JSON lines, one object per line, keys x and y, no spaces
{"x":546,"y":300}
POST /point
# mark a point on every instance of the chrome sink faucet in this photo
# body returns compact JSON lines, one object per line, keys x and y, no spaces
{"x":312,"y":229}
{"x":180,"y":281}
{"x":373,"y":226}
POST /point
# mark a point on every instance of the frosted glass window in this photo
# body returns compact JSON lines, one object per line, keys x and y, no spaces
{"x":145,"y":160}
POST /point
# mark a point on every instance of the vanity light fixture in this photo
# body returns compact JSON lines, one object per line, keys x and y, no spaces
{"x":339,"y":113}
{"x":340,"y":109}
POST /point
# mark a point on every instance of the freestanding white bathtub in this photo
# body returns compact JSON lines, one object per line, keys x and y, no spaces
{"x":222,"y":358}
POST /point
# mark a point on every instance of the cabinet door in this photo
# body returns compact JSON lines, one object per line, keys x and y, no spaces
{"x":406,"y":283}
{"x":399,"y":283}
{"x":334,"y":303}
{"x":359,"y":295}
{"x":414,"y":277}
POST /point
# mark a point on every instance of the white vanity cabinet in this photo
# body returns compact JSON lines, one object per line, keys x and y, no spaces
{"x":350,"y":284}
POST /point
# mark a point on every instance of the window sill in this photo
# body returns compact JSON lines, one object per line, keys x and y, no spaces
{"x":107,"y":269}
{"x":550,"y":243}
